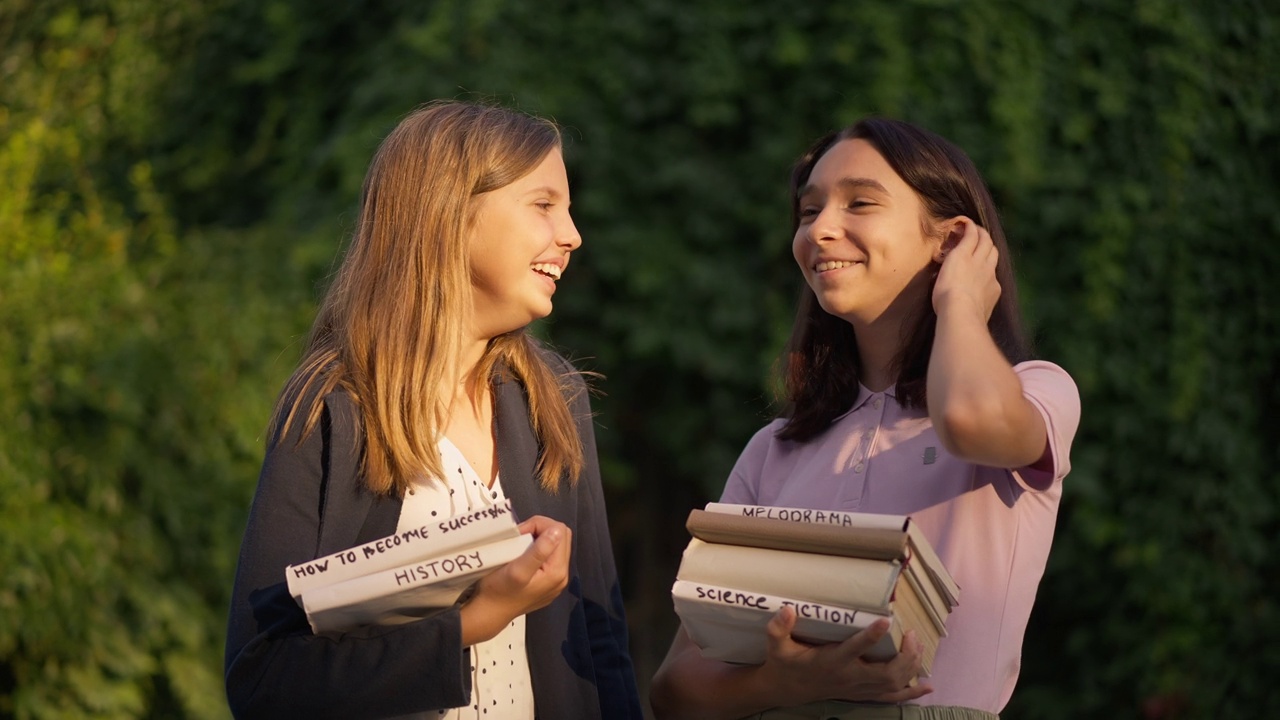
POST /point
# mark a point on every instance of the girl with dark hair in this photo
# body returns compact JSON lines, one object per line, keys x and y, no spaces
{"x":420,"y":396}
{"x":910,"y":390}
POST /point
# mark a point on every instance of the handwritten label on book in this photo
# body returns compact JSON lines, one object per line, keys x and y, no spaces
{"x":428,"y":571}
{"x":807,"y":515}
{"x":729,"y":623}
{"x":407,"y":592}
{"x":825,"y":613}
{"x":435,"y":539}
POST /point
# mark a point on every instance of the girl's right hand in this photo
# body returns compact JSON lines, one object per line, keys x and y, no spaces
{"x":968,"y":273}
{"x":809,"y":673}
{"x":523,"y":585}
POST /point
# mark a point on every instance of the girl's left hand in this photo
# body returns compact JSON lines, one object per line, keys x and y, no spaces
{"x":968,"y":274}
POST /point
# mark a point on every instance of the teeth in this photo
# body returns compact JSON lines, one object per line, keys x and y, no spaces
{"x":548,"y":269}
{"x":832,"y":265}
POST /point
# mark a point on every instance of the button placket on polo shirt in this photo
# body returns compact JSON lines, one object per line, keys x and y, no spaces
{"x":878,"y":404}
{"x":874,"y":409}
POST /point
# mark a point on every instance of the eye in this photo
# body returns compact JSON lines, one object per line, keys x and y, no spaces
{"x":808,"y":212}
{"x":544,"y":205}
{"x":859,"y":203}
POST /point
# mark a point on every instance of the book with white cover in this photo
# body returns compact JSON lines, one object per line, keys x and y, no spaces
{"x":891,"y":535}
{"x":849,"y":582}
{"x":408,"y":592}
{"x":477,"y":527}
{"x":729,"y":624}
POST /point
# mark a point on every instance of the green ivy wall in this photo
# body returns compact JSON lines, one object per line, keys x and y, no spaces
{"x":176,"y":180}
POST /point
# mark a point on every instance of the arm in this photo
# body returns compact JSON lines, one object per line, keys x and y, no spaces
{"x":975,"y":399}
{"x":690,"y":686}
{"x":275,"y":666}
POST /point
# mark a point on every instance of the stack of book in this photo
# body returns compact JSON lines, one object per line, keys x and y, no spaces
{"x":406,"y":576}
{"x":839,"y":571}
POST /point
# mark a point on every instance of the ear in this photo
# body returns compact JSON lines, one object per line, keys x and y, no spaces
{"x":949,"y":232}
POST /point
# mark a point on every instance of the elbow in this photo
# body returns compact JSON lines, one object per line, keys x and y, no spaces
{"x":960,"y":427}
{"x":987,"y":432}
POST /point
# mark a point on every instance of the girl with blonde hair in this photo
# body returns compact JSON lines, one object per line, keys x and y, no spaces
{"x":422,"y":395}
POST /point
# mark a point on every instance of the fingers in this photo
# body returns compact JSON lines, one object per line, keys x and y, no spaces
{"x":968,"y":235}
{"x":905,"y":694}
{"x":780,"y":625}
{"x":906,"y":664}
{"x":838,"y":670}
{"x":525,"y":584}
{"x":544,"y":562}
{"x":538,"y":524}
{"x":860,"y":642}
{"x":550,"y":543}
{"x":552,"y":538}
{"x":904,"y":670}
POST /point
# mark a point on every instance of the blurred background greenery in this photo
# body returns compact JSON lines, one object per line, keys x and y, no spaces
{"x":177,"y":178}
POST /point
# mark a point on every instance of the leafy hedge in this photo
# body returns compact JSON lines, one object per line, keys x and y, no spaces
{"x":175,"y":180}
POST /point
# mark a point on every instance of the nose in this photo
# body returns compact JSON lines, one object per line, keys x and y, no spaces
{"x":567,"y":236}
{"x":825,"y":225}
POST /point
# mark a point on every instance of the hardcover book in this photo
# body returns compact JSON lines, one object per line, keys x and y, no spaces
{"x":437,"y":538}
{"x":407,"y":575}
{"x":745,"y":562}
{"x":408,"y":592}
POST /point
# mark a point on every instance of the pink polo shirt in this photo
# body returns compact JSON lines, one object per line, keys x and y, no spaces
{"x":992,"y":527}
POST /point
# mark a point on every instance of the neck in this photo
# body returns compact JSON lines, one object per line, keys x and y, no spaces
{"x":468,"y":386}
{"x":877,"y":348}
{"x":881,"y":338}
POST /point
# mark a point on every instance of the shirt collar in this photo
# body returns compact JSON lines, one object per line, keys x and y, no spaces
{"x":865,"y":395}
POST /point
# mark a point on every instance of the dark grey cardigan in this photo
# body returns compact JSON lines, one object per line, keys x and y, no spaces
{"x":311,"y":502}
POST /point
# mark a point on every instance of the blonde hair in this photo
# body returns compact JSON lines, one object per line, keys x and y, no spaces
{"x":390,"y":329}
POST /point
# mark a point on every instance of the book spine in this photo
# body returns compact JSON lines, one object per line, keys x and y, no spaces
{"x":729,"y":624}
{"x":839,"y":518}
{"x":858,"y":583}
{"x":917,"y":544}
{"x":433,"y":582}
{"x":436,"y":538}
{"x":778,"y":534}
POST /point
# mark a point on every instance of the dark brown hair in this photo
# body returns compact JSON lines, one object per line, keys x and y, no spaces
{"x":821,"y":366}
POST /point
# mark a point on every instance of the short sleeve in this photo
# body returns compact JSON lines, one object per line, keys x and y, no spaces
{"x":1054,"y":394}
{"x":743,"y":485}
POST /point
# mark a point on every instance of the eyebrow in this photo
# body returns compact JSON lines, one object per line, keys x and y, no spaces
{"x":544,"y":190}
{"x":847,"y":183}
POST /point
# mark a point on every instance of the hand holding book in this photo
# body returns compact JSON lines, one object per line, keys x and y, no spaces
{"x":840,"y":670}
{"x":525,"y":584}
{"x":839,"y":572}
{"x":509,"y":570}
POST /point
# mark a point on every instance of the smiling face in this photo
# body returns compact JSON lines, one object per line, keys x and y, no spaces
{"x":860,"y":241}
{"x":520,"y":245}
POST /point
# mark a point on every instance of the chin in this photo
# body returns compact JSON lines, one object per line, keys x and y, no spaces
{"x":840,"y":310}
{"x":531,"y":316}
{"x":540,"y":312}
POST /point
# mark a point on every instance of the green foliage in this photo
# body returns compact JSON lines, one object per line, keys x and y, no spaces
{"x":134,"y":369}
{"x":175,"y":179}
